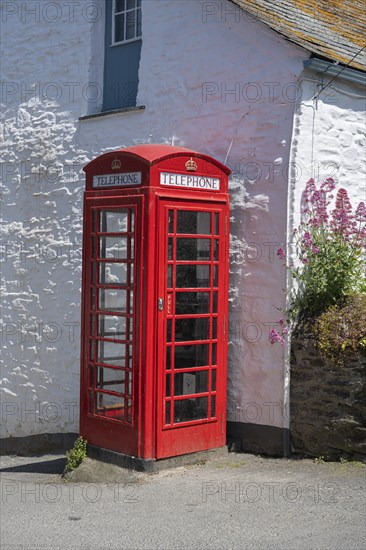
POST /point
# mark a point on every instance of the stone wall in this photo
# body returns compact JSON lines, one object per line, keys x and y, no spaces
{"x":328,"y":407}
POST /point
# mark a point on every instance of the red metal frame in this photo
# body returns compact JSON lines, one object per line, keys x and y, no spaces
{"x":176,"y":436}
{"x":138,"y":427}
{"x":93,"y":424}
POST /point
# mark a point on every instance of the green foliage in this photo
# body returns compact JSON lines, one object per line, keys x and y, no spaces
{"x":328,"y":269}
{"x":334,"y":271}
{"x":76,"y":455}
{"x":341,"y":330}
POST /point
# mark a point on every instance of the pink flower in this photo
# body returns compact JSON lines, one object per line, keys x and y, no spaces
{"x":342,"y":219}
{"x":275,"y":337}
{"x":315,"y":250}
{"x":316,"y":197}
{"x":310,"y":188}
{"x":361,"y":212}
{"x":315,"y":222}
{"x":320,"y":209}
{"x":307,"y":240}
{"x":281,"y":254}
{"x":328,"y":185}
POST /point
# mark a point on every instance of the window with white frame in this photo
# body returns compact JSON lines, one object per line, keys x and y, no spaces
{"x":123,"y":41}
{"x":126,"y":21}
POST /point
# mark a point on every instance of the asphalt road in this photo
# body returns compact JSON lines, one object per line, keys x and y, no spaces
{"x":238,"y":501}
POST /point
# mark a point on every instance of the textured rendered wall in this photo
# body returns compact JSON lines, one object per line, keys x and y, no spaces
{"x":329,"y":138}
{"x":217,"y":83}
{"x":44,"y":67}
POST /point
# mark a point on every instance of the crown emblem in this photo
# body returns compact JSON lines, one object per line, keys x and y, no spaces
{"x":191,"y":166}
{"x":116,"y":164}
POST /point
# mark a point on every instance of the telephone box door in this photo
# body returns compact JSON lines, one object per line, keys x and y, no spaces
{"x":192,"y":317}
{"x":111,"y":349}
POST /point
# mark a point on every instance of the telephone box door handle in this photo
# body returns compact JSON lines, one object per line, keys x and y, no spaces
{"x":160,"y":304}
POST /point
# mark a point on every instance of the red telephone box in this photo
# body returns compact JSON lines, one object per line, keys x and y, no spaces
{"x":155,"y":284}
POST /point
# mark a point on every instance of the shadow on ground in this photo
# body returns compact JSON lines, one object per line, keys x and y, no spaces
{"x":55,"y":466}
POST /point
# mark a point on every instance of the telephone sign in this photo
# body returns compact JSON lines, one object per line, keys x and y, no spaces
{"x":117,"y":180}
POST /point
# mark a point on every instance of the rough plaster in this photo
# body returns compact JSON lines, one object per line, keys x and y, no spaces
{"x":329,"y":138}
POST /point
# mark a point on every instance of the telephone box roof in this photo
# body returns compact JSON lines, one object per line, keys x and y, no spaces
{"x":153,"y":153}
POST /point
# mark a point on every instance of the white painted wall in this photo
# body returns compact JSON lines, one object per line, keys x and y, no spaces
{"x":329,"y":138}
{"x":41,"y":215}
{"x":190,"y":62}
